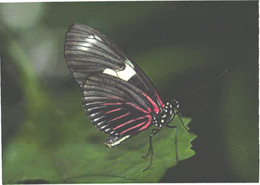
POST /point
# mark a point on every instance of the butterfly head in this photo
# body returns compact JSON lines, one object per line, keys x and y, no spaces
{"x":175,"y":105}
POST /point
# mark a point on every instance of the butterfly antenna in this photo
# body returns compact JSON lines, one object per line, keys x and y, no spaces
{"x":208,"y":83}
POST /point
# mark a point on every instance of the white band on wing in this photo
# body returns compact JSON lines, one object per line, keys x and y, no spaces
{"x":125,"y":74}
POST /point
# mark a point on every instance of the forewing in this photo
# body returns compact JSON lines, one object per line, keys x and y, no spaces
{"x":89,"y":52}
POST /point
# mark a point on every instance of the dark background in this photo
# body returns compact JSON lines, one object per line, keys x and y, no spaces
{"x":198,"y":39}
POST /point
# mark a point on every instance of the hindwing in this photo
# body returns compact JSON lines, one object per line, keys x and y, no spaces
{"x":115,"y":106}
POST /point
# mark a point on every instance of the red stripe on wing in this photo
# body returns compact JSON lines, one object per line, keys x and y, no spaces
{"x":147,"y":124}
{"x":140,"y":124}
{"x":158,"y":97}
{"x":113,"y":110}
{"x":119,"y":117}
{"x":155,"y":107}
{"x":139,"y":108}
{"x":130,"y":121}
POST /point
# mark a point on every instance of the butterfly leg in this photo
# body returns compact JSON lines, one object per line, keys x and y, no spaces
{"x":176,"y":147}
{"x":175,"y":140}
{"x":176,"y":130}
{"x":150,"y":141}
{"x":179,"y":116}
{"x":171,"y":118}
{"x":147,"y":152}
{"x":154,"y":131}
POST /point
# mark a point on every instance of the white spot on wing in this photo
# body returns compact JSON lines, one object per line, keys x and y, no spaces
{"x":88,"y":43}
{"x":91,"y":39}
{"x":125,"y":74}
{"x":120,"y":140}
{"x":96,"y":119}
{"x":93,"y":115}
{"x":98,"y":38}
{"x":82,"y":48}
{"x":99,"y":123}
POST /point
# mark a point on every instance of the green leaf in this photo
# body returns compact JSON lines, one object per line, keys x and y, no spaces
{"x":60,"y":145}
{"x":84,"y":159}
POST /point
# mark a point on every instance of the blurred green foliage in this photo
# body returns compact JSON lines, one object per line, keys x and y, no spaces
{"x":241,"y":128}
{"x":57,"y":147}
{"x":180,"y":46}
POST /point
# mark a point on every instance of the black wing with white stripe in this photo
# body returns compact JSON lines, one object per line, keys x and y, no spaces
{"x":118,"y":97}
{"x":88,"y":51}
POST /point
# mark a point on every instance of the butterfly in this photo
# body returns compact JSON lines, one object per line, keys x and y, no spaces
{"x":118,"y":97}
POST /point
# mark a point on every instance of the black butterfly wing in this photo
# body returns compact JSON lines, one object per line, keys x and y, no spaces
{"x":118,"y":97}
{"x":115,"y":106}
{"x":88,"y":51}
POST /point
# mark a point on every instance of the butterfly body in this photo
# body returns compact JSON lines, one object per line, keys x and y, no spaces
{"x":117,"y":96}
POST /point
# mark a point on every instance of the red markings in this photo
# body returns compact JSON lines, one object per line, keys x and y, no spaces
{"x":155,"y":107}
{"x":113,"y":110}
{"x":158,"y":97}
{"x":139,"y":108}
{"x":147,"y":124}
{"x":130,"y":121}
{"x":119,"y":117}
{"x":133,"y":127}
